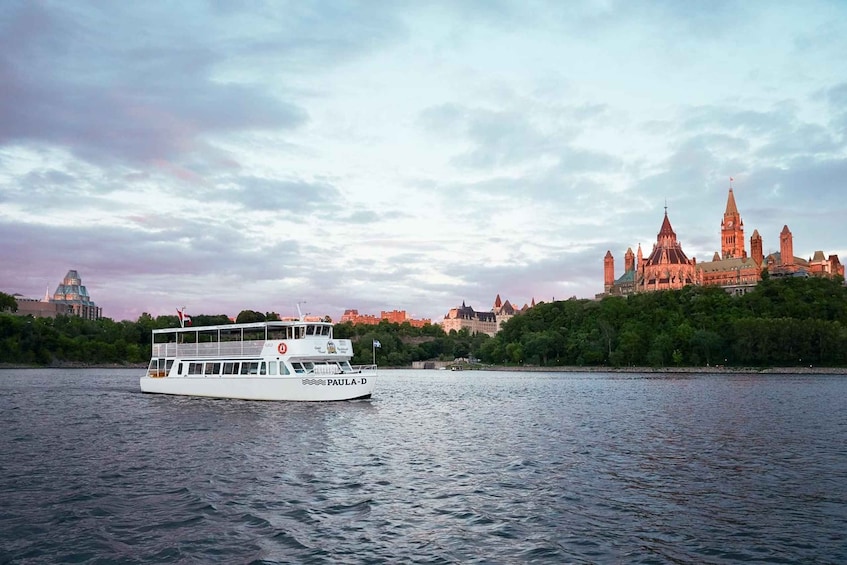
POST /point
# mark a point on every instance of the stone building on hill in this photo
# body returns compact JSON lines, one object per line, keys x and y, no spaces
{"x":71,"y":298}
{"x":504,"y":311}
{"x":733,"y":269}
{"x":394,"y":316}
{"x":72,"y":292}
{"x":667,"y":267}
{"x":465,"y":317}
{"x":489,"y":323}
{"x":42,"y":308}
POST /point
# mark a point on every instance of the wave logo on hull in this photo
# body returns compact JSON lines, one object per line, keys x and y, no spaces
{"x":334,"y":382}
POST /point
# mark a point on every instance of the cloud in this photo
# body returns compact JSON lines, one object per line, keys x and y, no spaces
{"x":500,"y":139}
{"x":297,"y":199}
{"x":402,"y":155}
{"x":76,"y":81}
{"x":362,"y":217}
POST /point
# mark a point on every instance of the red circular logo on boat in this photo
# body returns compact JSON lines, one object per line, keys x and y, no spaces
{"x":282,"y":349}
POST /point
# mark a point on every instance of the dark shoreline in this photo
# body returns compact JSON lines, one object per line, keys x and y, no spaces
{"x":75,"y":366}
{"x":716,"y":370}
{"x":523,"y":368}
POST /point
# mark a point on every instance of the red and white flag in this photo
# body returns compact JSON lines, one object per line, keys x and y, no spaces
{"x":184,"y":319}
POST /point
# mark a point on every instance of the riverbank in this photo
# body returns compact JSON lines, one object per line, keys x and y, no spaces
{"x":70,"y":365}
{"x":720,"y":369}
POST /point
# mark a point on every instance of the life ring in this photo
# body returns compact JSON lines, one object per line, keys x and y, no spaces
{"x":282,"y":348}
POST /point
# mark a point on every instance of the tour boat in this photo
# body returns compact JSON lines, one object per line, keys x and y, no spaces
{"x":273,"y":360}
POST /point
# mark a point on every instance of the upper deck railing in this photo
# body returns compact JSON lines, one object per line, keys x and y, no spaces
{"x":232,"y":349}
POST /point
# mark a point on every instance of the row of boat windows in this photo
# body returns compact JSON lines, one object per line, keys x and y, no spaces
{"x":215,"y":368}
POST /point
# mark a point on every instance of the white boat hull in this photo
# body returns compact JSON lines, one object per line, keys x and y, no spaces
{"x":310,"y":388}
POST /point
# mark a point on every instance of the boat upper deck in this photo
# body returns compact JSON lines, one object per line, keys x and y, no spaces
{"x":271,"y":330}
{"x":244,"y":340}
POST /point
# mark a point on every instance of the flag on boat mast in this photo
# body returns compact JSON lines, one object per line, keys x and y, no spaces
{"x":373,"y":349}
{"x":184,"y":319}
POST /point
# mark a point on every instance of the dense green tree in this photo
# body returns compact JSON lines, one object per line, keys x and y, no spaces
{"x":248,"y":316}
{"x":8,"y":303}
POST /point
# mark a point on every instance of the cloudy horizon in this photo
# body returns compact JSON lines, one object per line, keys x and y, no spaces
{"x":225,"y":156}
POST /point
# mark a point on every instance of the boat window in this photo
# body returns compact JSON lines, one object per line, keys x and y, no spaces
{"x":169,"y":364}
{"x":326,"y":330}
{"x":263,"y":369}
{"x":298,"y":367}
{"x":179,"y":369}
{"x":326,"y":368}
{"x":299,"y":332}
{"x":254,"y":334}
{"x":271,"y":367}
{"x":195,"y":368}
{"x":283,"y":369}
{"x":250,"y":368}
{"x":213,"y":368}
{"x":230,"y":368}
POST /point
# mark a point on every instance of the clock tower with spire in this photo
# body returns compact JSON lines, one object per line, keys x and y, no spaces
{"x":732,"y":231}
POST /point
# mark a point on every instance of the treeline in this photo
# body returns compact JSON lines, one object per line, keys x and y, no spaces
{"x":25,"y":340}
{"x":782,"y":322}
{"x":402,"y":344}
{"x":69,"y":339}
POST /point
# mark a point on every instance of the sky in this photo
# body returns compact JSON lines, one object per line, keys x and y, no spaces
{"x":224,"y":156}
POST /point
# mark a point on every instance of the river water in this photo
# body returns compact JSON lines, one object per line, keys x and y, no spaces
{"x":439,"y":467}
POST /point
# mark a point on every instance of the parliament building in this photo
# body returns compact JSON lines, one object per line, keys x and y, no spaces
{"x":667,"y":266}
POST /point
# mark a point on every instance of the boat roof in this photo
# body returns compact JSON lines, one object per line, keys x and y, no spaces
{"x":250,"y":326}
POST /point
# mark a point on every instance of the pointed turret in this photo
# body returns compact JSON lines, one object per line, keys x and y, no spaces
{"x":731,"y":208}
{"x":666,"y":228}
{"x":786,"y":247}
{"x":666,"y":237}
{"x":756,"y":250}
{"x":608,"y":271}
{"x":629,"y":260}
{"x":497,"y":302}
